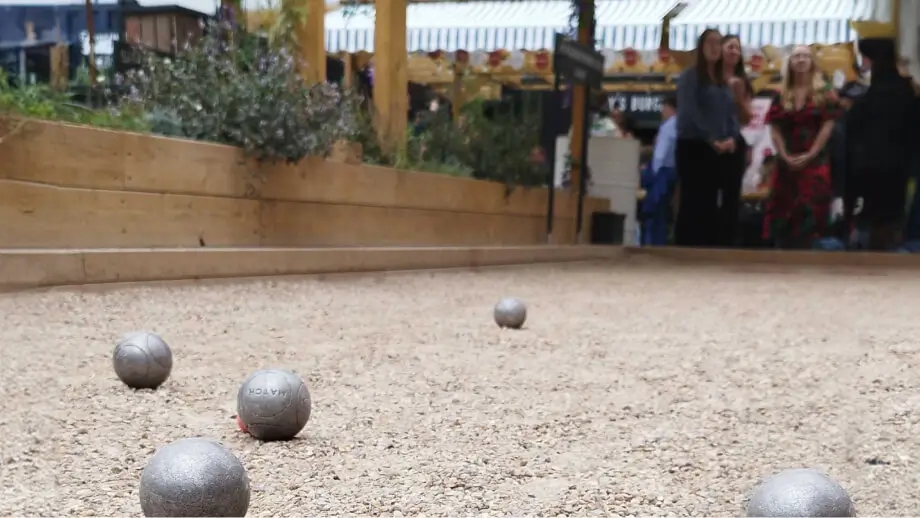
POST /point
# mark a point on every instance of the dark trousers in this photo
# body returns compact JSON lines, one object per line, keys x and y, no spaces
{"x":731,"y":175}
{"x":710,"y":190}
{"x":879,"y":224}
{"x":912,"y":228}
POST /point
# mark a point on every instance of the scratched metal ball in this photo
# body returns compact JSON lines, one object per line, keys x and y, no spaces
{"x":274,"y":404}
{"x":194,"y":477}
{"x":510,"y":312}
{"x":800,"y":493}
{"x":142,"y":360}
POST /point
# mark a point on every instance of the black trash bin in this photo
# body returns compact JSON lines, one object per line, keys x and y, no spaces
{"x":607,"y":228}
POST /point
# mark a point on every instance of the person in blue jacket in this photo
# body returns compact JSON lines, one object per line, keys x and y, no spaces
{"x":659,"y":178}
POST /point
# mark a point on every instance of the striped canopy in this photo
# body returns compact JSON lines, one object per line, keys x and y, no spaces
{"x":510,"y":25}
{"x":772,"y":22}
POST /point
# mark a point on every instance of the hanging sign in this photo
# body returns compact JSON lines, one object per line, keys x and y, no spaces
{"x":578,"y":63}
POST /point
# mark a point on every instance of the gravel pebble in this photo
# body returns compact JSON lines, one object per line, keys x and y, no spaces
{"x":636,"y":389}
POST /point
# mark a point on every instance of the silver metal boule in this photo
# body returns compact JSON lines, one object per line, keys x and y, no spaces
{"x":142,"y":360}
{"x":800,"y":493}
{"x":274,"y":404}
{"x":510,"y":312}
{"x":194,"y":477}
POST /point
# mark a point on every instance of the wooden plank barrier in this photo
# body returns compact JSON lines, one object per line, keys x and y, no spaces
{"x":65,"y":186}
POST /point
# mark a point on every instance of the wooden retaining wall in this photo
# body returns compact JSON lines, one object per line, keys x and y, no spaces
{"x":64,"y":186}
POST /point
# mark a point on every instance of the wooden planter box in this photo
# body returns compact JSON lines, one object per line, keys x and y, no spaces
{"x":65,"y":186}
{"x":347,"y":153}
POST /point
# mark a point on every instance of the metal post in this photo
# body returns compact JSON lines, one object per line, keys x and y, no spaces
{"x":122,"y":40}
{"x":23,"y":70}
{"x":91,"y":34}
{"x":551,"y":186}
{"x":583,"y":164}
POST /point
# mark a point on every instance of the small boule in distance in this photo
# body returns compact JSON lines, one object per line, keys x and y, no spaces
{"x":510,"y":313}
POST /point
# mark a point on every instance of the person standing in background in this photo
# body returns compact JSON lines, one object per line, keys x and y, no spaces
{"x":707,"y":133}
{"x":737,"y":78}
{"x":801,"y":121}
{"x":733,"y":174}
{"x":659,"y":178}
{"x":847,"y":95}
{"x":882,"y":142}
{"x":624,"y":123}
{"x":912,"y":226}
{"x":604,"y":123}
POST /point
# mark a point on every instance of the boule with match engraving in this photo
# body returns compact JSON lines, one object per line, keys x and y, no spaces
{"x":142,"y":360}
{"x":194,"y":477}
{"x":800,"y":493}
{"x":273,"y":404}
{"x":510,"y":312}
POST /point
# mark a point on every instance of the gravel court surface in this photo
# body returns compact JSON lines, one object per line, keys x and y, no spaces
{"x":635,"y":389}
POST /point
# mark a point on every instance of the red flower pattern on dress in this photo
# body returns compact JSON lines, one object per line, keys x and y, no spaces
{"x":798,"y":206}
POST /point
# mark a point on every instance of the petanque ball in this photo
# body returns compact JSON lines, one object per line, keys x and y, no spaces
{"x":800,"y":493}
{"x":142,"y":360}
{"x":273,"y":404}
{"x":510,"y":312}
{"x":194,"y":477}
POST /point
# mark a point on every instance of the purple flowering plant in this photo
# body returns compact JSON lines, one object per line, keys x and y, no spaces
{"x":237,"y":88}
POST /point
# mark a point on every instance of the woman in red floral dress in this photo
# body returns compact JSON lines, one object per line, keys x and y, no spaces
{"x":801,"y":121}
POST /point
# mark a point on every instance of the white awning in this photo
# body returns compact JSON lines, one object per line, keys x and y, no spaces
{"x":772,"y":22}
{"x":509,"y":25}
{"x":206,"y":7}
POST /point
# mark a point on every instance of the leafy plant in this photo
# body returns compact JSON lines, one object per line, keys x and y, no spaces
{"x":499,"y":147}
{"x":364,"y":132}
{"x":43,"y":102}
{"x":568,"y":169}
{"x":239,"y":89}
{"x":283,"y":30}
{"x":435,"y":138}
{"x":504,"y":148}
{"x":165,"y":122}
{"x":352,"y":8}
{"x":576,"y":9}
{"x":82,"y":76}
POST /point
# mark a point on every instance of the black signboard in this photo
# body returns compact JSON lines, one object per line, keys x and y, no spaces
{"x":578,"y":63}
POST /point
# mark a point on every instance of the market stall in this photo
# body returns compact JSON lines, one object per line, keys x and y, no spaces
{"x":773,"y":22}
{"x":500,"y":24}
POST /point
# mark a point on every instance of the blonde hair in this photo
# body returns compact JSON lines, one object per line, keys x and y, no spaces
{"x":817,"y":89}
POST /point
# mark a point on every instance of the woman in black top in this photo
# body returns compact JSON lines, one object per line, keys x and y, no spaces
{"x":707,"y":136}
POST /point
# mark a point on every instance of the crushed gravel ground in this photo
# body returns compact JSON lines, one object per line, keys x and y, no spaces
{"x":633,"y":389}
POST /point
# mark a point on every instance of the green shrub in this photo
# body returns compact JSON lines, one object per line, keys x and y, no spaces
{"x":235,"y":88}
{"x":497,"y":148}
{"x":42,"y":102}
{"x":165,"y":122}
{"x":502,"y":146}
